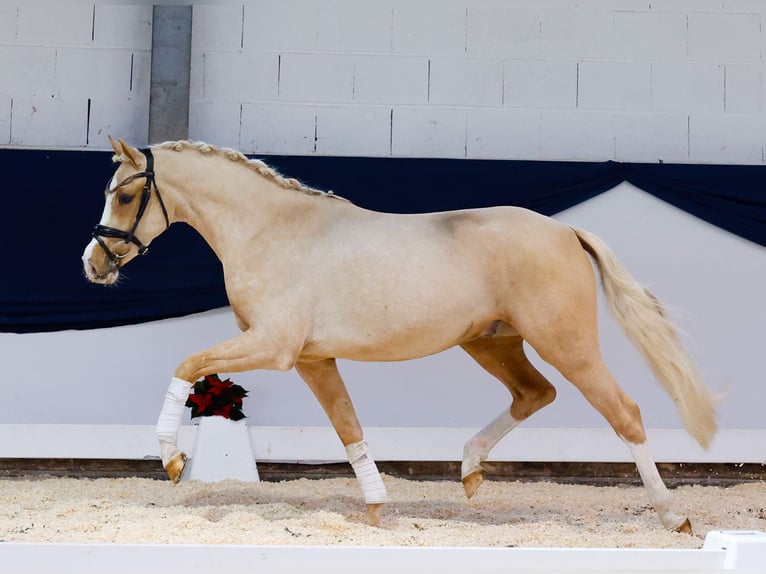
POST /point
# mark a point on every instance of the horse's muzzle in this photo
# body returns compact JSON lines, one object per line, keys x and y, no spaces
{"x":98,"y":267}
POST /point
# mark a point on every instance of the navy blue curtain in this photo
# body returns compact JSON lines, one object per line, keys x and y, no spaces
{"x":52,"y":200}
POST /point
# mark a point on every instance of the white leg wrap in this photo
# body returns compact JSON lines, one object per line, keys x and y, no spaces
{"x":658,"y":493}
{"x":367,"y":474}
{"x":170,"y":418}
{"x":477,"y":449}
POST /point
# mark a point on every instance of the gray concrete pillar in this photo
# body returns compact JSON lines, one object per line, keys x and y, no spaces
{"x":171,"y":63}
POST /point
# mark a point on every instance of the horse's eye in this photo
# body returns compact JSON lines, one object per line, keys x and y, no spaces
{"x":124,"y":198}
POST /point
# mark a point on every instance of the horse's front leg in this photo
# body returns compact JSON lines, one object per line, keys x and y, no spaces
{"x":324,"y":380}
{"x":246,"y":352}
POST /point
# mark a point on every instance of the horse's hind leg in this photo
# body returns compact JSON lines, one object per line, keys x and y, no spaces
{"x":504,"y":358}
{"x":324,"y":380}
{"x":568,"y":340}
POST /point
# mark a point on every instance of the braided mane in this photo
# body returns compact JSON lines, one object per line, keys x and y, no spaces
{"x":255,"y":165}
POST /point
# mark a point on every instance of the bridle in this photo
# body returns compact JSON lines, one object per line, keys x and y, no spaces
{"x":101,"y":231}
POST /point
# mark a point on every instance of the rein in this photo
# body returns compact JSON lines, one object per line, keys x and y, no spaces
{"x":101,"y":231}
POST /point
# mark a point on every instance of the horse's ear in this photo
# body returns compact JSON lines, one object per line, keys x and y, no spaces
{"x":129,"y":152}
{"x":115,"y":145}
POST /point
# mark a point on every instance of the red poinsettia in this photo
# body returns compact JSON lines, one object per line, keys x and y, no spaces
{"x":214,"y":397}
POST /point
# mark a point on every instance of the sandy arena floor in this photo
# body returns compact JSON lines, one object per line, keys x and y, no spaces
{"x":331,"y":511}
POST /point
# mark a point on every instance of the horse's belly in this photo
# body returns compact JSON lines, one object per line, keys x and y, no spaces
{"x":389,"y":339}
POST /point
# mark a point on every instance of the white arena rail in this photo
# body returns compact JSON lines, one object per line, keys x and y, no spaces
{"x":734,"y":552}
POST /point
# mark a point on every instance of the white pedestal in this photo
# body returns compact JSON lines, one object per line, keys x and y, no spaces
{"x":222,"y":451}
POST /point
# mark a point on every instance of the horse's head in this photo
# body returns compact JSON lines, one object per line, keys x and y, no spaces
{"x":129,"y":213}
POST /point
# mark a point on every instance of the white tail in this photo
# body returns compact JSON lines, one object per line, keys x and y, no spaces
{"x":642,"y":317}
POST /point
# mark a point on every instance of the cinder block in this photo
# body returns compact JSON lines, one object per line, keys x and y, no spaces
{"x":280,"y":26}
{"x":645,"y":35}
{"x":217,"y":27}
{"x":744,"y":90}
{"x":614,"y":86}
{"x":8,"y":19}
{"x":391,"y":80}
{"x":89,"y":72}
{"x":353,"y":26}
{"x":240,"y":76}
{"x":421,"y":28}
{"x":49,"y":121}
{"x":126,"y":117}
{"x":727,"y":138}
{"x":27,"y":70}
{"x":651,"y":137}
{"x":217,"y":123}
{"x":278,"y":128}
{"x":42,"y":24}
{"x":574,"y":33}
{"x":498,"y":30}
{"x":5,"y":119}
{"x":725,"y":38}
{"x":426,"y":131}
{"x":353,"y":130}
{"x":578,"y":135}
{"x":687,"y":87}
{"x":316,"y":78}
{"x":466,"y":81}
{"x":123,"y":26}
{"x":335,"y":25}
{"x":141,"y":73}
{"x":502,"y":133}
{"x":540,"y":84}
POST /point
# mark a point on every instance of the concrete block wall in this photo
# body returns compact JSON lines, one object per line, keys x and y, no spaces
{"x":70,"y":75}
{"x":628,"y":80}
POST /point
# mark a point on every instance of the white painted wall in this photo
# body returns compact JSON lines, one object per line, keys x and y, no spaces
{"x":71,"y":74}
{"x":630,"y":80}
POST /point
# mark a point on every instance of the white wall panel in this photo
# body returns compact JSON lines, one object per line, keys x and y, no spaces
{"x":5,"y":119}
{"x":372,"y":139}
{"x":498,"y":30}
{"x":123,"y":26}
{"x":429,"y":131}
{"x":40,"y":24}
{"x":426,"y":29}
{"x":727,"y":138}
{"x":217,"y":122}
{"x":540,"y":84}
{"x":278,"y":128}
{"x":744,"y":88}
{"x":497,"y":133}
{"x":63,"y":121}
{"x":117,"y":117}
{"x":466,"y":81}
{"x":75,"y":73}
{"x":687,"y":87}
{"x":391,"y":79}
{"x":27,"y":70}
{"x":726,"y":38}
{"x":649,"y":137}
{"x":326,"y":78}
{"x":619,"y":86}
{"x":240,"y":76}
{"x":562,"y":132}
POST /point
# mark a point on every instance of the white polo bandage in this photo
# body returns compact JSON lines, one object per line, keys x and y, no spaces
{"x":367,"y":474}
{"x":170,"y":418}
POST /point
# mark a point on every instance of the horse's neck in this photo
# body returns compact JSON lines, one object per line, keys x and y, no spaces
{"x":228,"y":203}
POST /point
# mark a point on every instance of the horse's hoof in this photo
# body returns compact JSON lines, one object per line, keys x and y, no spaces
{"x":472,"y":482}
{"x":176,"y":467}
{"x":373,"y":514}
{"x":685,"y":527}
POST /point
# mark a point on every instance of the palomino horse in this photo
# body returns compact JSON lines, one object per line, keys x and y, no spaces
{"x":312,"y":277}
